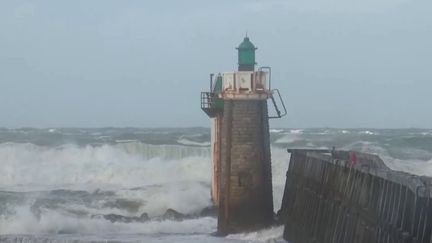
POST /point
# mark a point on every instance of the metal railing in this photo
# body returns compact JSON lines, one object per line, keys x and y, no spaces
{"x":210,"y":103}
{"x":207,"y":100}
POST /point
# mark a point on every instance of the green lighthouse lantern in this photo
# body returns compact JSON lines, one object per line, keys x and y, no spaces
{"x":246,"y":55}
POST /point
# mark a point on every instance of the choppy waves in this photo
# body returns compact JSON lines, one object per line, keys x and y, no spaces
{"x":123,"y":165}
{"x":62,"y":190}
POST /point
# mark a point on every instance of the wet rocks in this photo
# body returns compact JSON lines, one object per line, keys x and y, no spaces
{"x":210,"y":211}
{"x":172,"y":214}
{"x":125,"y":219}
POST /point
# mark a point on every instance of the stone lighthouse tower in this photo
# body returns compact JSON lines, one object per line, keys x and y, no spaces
{"x":241,"y":179}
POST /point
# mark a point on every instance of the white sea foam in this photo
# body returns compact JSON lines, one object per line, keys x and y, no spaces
{"x":276,"y":130}
{"x":53,"y":222}
{"x":296,"y":131}
{"x":163,"y":151}
{"x":181,"y":184}
{"x":108,"y":165}
{"x":157,"y":177}
{"x":185,"y":197}
{"x":155,"y":184}
{"x":288,"y":138}
{"x":412,"y":166}
{"x":152,"y":178}
{"x":126,"y":141}
{"x":416,"y":167}
{"x":280,"y":163}
{"x":273,"y":234}
{"x":368,"y":132}
{"x":366,"y":147}
{"x":428,"y":133}
{"x":185,"y":141}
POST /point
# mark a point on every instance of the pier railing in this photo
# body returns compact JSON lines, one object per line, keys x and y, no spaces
{"x":332,"y":197}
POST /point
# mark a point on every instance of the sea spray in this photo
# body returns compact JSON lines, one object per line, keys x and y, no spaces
{"x":62,"y":186}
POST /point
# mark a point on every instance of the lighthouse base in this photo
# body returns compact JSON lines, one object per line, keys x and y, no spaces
{"x":245,"y":183}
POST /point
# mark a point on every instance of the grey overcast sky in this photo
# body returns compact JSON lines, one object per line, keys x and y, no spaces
{"x":92,"y":63}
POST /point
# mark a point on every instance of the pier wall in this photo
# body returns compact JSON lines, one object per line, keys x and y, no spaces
{"x":329,"y":197}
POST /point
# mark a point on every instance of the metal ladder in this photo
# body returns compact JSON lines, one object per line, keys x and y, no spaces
{"x":279,"y":114}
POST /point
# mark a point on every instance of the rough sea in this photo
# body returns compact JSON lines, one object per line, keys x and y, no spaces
{"x":94,"y":185}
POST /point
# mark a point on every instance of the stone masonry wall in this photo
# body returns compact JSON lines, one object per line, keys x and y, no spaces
{"x":245,"y":196}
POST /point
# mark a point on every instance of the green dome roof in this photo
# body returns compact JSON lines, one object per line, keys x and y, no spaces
{"x":246,"y":45}
{"x":246,"y":55}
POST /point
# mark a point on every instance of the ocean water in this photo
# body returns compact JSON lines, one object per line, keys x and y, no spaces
{"x":61,"y":185}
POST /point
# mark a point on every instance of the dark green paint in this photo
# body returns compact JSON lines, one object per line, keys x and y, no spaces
{"x":218,"y":102}
{"x":246,"y":52}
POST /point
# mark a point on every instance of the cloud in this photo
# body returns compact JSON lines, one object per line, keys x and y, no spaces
{"x":24,"y":10}
{"x":325,"y":6}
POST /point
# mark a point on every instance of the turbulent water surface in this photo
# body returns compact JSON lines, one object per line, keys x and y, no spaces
{"x":66,"y":185}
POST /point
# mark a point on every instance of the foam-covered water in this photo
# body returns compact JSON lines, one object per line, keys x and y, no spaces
{"x":58,"y":185}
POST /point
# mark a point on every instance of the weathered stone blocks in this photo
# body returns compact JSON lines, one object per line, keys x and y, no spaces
{"x":245,"y":189}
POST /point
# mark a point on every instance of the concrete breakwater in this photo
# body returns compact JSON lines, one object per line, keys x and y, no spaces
{"x":341,"y":196}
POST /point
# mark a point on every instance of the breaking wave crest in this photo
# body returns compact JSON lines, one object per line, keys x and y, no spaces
{"x":54,"y":222}
{"x":69,"y":188}
{"x":125,"y":165}
{"x":60,"y":185}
